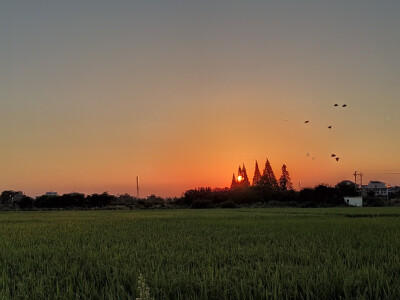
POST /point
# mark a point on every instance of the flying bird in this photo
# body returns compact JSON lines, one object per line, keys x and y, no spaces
{"x":333,"y":155}
{"x":337,"y":158}
{"x":344,"y":105}
{"x":307,"y":121}
{"x":336,"y":104}
{"x":329,"y":126}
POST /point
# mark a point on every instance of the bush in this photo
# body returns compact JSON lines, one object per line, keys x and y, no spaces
{"x":374,"y":201}
{"x":192,"y":195}
{"x":26,"y":203}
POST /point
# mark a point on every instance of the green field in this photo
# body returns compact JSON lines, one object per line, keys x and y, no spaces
{"x":201,"y":254}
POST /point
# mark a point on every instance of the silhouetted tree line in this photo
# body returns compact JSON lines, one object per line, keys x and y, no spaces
{"x":204,"y":197}
{"x":17,"y":200}
{"x":320,"y":196}
{"x":273,"y":195}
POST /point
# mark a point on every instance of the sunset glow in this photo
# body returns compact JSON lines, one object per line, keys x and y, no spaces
{"x":95,"y":94}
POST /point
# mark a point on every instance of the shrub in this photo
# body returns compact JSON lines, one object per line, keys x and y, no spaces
{"x":26,"y":203}
{"x":374,"y":201}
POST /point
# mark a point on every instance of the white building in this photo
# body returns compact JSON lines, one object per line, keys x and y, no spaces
{"x":354,"y":201}
{"x":379,"y":188}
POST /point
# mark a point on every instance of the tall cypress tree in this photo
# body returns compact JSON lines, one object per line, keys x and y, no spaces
{"x":284,"y":181}
{"x":257,"y":175}
{"x":245,"y":181}
{"x":268,"y":179}
{"x":234,"y":182}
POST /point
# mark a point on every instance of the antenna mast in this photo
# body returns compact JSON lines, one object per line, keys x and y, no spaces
{"x":137,"y":186}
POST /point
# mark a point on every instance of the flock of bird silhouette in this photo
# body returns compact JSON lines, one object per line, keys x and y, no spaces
{"x":330,"y":127}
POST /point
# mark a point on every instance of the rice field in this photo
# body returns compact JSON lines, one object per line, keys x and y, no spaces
{"x":272,"y":253}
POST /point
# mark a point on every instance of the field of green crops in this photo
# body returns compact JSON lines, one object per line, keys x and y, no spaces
{"x":201,"y":254}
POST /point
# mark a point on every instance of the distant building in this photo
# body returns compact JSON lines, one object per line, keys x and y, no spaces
{"x":378,"y":188}
{"x":354,"y":201}
{"x":394,"y":190}
{"x":51,"y":194}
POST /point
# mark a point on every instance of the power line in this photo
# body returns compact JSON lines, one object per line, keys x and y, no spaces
{"x":392,"y":173}
{"x":384,"y":171}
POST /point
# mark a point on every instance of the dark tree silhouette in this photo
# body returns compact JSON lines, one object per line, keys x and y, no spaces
{"x":327,"y":196}
{"x":6,"y":197}
{"x":347,"y":188}
{"x":242,"y":180}
{"x":268,"y":179}
{"x":245,"y":182}
{"x":196,"y":194}
{"x":48,"y":201}
{"x":100,"y":200}
{"x":9,"y":197}
{"x":73,"y":200}
{"x":26,"y":202}
{"x":234,"y":182}
{"x":257,"y":175}
{"x":284,"y":181}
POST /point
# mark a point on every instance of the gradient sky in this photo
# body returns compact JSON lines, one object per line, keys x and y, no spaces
{"x":94,"y":93}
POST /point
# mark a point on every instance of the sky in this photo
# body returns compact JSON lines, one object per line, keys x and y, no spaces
{"x":180,"y":92}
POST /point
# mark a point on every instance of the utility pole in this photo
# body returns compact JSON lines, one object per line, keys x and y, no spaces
{"x":137,"y":186}
{"x":355,"y":179}
{"x":387,"y":194}
{"x":361,"y":175}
